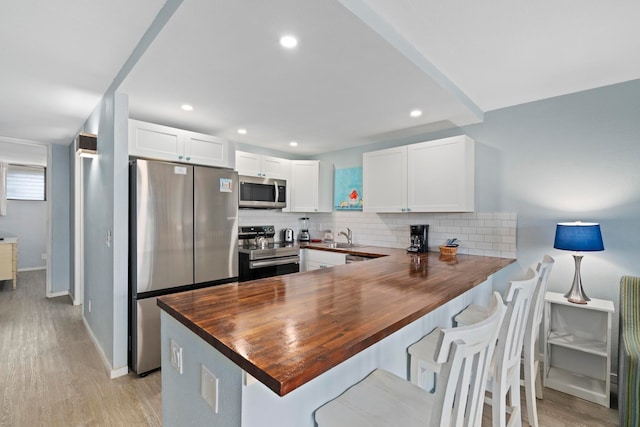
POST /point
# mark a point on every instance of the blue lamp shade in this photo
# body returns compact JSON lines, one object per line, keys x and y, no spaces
{"x":578,"y":236}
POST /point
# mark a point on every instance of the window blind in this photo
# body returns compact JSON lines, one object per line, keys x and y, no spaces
{"x":26,"y":182}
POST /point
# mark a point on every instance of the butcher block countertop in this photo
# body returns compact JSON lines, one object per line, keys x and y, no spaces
{"x":287,"y":330}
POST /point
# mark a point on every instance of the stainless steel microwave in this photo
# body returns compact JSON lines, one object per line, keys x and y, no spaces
{"x":265,"y":193}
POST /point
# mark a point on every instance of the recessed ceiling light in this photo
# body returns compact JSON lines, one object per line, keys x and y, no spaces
{"x":187,"y":107}
{"x":293,"y":144}
{"x":242,"y":131}
{"x":416,"y":113}
{"x":288,"y":41}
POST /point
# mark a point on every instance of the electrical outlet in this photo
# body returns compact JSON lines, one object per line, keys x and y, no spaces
{"x":209,"y":388}
{"x":176,"y":356}
{"x":43,"y":256}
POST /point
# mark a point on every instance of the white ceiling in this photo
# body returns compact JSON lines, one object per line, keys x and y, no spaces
{"x":359,"y":68}
{"x":59,"y":57}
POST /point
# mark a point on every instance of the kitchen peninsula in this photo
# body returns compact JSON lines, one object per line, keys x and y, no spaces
{"x":306,"y":337}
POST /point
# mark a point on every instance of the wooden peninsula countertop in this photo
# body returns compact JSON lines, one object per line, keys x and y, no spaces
{"x":287,"y":330}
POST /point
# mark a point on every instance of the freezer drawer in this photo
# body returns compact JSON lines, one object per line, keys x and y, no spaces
{"x":146,"y":336}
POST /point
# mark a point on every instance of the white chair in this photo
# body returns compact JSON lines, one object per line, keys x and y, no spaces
{"x":504,"y":374}
{"x":530,"y":361}
{"x":384,"y":399}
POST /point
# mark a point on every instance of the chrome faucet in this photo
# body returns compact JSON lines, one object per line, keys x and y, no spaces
{"x":348,"y":235}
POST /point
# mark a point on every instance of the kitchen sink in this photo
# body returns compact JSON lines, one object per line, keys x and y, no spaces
{"x":340,"y":245}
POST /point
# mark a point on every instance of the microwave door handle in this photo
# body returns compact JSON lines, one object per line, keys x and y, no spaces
{"x":275,"y":184}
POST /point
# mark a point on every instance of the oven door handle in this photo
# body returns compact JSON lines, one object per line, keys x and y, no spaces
{"x":276,"y":261}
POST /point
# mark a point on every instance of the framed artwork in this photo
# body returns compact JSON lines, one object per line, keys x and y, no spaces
{"x":347,"y":195}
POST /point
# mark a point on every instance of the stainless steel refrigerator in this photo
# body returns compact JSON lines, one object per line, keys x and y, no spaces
{"x":183,"y":223}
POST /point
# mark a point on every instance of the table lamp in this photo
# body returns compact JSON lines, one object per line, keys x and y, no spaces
{"x":578,"y":237}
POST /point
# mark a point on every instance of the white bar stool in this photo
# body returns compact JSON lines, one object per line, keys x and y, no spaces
{"x":384,"y":399}
{"x":530,"y":361}
{"x":504,"y":373}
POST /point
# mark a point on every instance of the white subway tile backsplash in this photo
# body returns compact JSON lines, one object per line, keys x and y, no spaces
{"x":508,"y":239}
{"x":481,"y":233}
{"x":501,"y":215}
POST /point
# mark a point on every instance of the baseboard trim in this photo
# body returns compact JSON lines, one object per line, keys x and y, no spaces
{"x":120,"y":372}
{"x":113,"y":373}
{"x":58,"y":294}
{"x":20,"y":270}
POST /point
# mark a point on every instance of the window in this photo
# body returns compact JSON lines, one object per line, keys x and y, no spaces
{"x":26,"y":182}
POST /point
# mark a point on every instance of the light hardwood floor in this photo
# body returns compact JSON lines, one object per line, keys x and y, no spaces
{"x":51,"y":374}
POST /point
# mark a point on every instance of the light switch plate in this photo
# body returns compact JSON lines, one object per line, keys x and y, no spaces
{"x":209,"y":388}
{"x":176,"y":356}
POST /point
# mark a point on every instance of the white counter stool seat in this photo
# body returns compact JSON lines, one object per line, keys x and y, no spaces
{"x":530,"y":360}
{"x":504,"y":374}
{"x":384,"y":399}
{"x":532,"y":379}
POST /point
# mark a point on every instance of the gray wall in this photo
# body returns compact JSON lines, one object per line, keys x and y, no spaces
{"x":26,"y":219}
{"x":105,"y":211}
{"x":567,"y":158}
{"x":61,"y":205}
{"x":573,"y":157}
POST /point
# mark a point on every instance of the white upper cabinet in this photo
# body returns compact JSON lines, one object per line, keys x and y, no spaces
{"x":441,"y":175}
{"x":160,"y":142}
{"x":256,"y":165}
{"x":384,"y":176}
{"x":311,"y":186}
{"x":432,"y":176}
{"x":251,"y":164}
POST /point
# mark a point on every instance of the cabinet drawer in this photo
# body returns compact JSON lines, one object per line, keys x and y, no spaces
{"x":6,"y":261}
{"x":317,"y":265}
{"x":325,"y":257}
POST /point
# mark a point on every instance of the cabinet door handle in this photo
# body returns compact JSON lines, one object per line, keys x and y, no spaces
{"x":323,"y":266}
{"x":188,"y":157}
{"x":408,"y":209}
{"x":403,"y":210}
{"x":180,"y":157}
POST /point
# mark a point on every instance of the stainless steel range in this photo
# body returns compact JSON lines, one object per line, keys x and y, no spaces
{"x":261,"y":256}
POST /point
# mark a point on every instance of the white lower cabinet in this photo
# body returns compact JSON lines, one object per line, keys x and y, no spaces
{"x":153,"y":141}
{"x":577,"y":351}
{"x":315,"y":259}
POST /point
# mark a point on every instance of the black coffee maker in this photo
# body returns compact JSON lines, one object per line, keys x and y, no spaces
{"x":418,"y":236}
